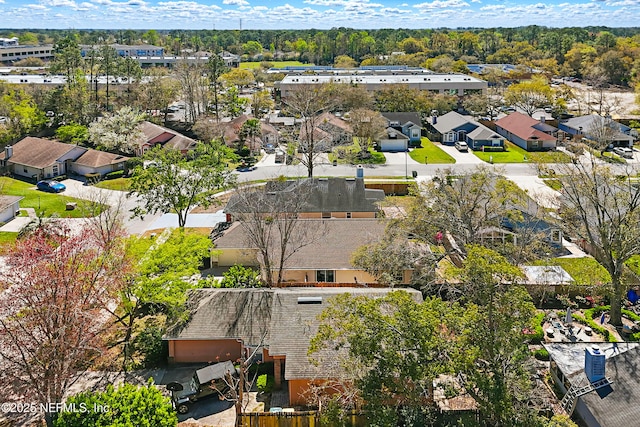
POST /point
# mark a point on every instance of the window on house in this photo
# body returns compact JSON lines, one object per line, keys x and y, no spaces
{"x":25,"y":170}
{"x":326,"y":215}
{"x":556,"y":235}
{"x":325,"y":276}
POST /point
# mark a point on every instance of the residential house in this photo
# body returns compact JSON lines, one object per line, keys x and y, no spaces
{"x":267,"y":135}
{"x":329,"y":130}
{"x":453,"y":127}
{"x":527,"y":132}
{"x":591,"y":127}
{"x":9,"y":206}
{"x":409,"y":124}
{"x":393,"y":140}
{"x":279,"y":321}
{"x":606,"y":403}
{"x":159,"y":135}
{"x":38,"y":158}
{"x":98,"y":162}
{"x":319,"y":198}
{"x":325,"y":259}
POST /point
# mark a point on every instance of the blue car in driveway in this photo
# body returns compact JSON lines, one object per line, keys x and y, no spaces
{"x":51,"y":186}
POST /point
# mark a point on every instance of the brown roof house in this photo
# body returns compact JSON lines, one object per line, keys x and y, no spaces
{"x":329,"y":131}
{"x":155,"y":134}
{"x":527,"y":132}
{"x":38,"y":158}
{"x":9,"y":206}
{"x":94,"y":161}
{"x":280,"y":321}
{"x":268,"y":134}
{"x":325,"y":259}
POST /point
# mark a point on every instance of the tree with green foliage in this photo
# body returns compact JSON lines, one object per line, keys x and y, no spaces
{"x":601,"y":207}
{"x":126,"y":405}
{"x":249,"y":132}
{"x":73,"y":134}
{"x":497,"y":379}
{"x":215,"y":69}
{"x":239,"y":276}
{"x":162,"y":276}
{"x":233,"y":104}
{"x":22,"y":113}
{"x":391,"y":348}
{"x":67,"y":59}
{"x":529,"y":95}
{"x":238,"y":77}
{"x":173,"y":182}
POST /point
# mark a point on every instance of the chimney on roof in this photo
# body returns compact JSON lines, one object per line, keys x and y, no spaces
{"x":8,"y":152}
{"x":542,"y":119}
{"x":359,"y":172}
{"x":594,"y":363}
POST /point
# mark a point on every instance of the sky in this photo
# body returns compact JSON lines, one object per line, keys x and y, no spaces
{"x":318,"y":14}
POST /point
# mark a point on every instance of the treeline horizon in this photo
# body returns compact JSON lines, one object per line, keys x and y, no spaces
{"x":598,"y":52}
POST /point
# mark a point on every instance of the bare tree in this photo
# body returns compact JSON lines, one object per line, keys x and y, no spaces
{"x":271,"y":225}
{"x":602,"y":207}
{"x":53,"y":309}
{"x":309,"y":102}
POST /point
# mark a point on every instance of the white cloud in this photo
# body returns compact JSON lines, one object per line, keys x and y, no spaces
{"x":442,"y":4}
{"x":236,"y":2}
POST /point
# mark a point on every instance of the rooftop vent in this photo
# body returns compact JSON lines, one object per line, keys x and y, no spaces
{"x":309,"y":300}
{"x":594,"y":363}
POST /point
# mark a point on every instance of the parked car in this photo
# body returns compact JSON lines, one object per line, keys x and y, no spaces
{"x":269,"y":148}
{"x":625,"y":152}
{"x":461,"y":146}
{"x":51,"y":186}
{"x":209,"y":381}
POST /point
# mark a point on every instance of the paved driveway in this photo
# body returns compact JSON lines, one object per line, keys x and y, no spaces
{"x":461,"y":157}
{"x":399,"y":159}
{"x":116,"y":199}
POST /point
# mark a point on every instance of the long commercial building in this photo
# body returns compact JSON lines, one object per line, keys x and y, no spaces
{"x":10,"y":53}
{"x":373,"y":80}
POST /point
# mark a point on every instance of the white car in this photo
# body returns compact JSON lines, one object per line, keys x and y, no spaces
{"x":625,"y":152}
{"x":461,"y":146}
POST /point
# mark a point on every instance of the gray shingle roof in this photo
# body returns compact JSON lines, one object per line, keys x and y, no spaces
{"x":321,"y":195}
{"x":226,"y":313}
{"x":332,"y":248}
{"x":247,"y":314}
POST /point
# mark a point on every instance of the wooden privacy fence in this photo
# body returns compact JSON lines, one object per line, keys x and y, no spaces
{"x":292,"y":419}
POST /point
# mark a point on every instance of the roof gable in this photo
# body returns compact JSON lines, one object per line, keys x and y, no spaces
{"x":523,"y":126}
{"x":39,"y":153}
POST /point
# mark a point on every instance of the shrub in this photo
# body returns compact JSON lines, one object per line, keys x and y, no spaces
{"x":265,"y":383}
{"x":114,"y":175}
{"x":541,"y":354}
{"x":239,"y":276}
{"x":536,"y":325}
{"x":588,"y":320}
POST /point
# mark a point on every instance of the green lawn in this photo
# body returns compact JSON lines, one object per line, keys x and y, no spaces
{"x":119,"y":184}
{"x":553,"y":183}
{"x":430,"y":153}
{"x":275,"y":64}
{"x":6,"y":238}
{"x":515,"y":154}
{"x":45,"y":203}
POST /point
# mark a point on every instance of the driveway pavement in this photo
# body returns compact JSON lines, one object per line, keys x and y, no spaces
{"x":118,"y":200}
{"x":461,"y":157}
